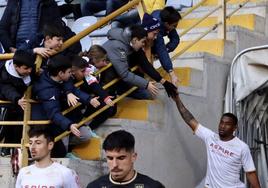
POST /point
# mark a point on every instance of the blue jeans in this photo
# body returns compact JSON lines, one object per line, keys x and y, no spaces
{"x":129,"y":18}
{"x":90,"y":7}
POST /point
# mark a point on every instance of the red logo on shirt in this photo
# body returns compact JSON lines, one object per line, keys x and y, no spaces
{"x":217,"y":148}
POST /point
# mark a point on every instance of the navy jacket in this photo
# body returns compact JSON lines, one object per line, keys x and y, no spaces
{"x":48,"y":13}
{"x":38,"y":41}
{"x":52,"y":94}
{"x":162,"y":49}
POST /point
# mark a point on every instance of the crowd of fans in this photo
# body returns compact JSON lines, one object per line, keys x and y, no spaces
{"x":35,"y":28}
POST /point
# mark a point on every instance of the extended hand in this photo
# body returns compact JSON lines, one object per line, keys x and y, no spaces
{"x":75,"y":130}
{"x":152,"y":88}
{"x":94,"y":102}
{"x":170,"y":89}
{"x":108,"y":100}
{"x":72,"y":99}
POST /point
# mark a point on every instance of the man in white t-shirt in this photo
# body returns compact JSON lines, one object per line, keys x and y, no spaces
{"x":226,"y":154}
{"x":44,"y":172}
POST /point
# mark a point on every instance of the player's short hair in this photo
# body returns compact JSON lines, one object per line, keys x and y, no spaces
{"x":119,"y":140}
{"x":39,"y":130}
{"x":231,"y":115}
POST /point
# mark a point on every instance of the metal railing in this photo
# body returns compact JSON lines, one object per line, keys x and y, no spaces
{"x":26,"y":117}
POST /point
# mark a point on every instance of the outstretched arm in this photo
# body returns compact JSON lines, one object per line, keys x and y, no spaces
{"x":253,"y":179}
{"x":186,"y":115}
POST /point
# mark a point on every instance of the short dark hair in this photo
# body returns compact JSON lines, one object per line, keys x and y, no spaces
{"x":79,"y":62}
{"x":58,"y":63}
{"x":170,"y":15}
{"x":53,"y":30}
{"x":39,"y":130}
{"x":119,"y":140}
{"x":231,"y":115}
{"x":137,"y":31}
{"x":22,"y":57}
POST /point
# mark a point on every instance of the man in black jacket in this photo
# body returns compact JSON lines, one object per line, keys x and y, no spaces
{"x":121,"y":156}
{"x":24,"y":19}
{"x":14,"y":79}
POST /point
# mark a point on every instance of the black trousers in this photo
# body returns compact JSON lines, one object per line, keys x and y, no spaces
{"x":99,"y":119}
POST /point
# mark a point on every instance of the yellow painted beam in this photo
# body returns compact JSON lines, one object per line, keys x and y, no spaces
{"x":246,"y":21}
{"x":215,"y":2}
{"x":90,"y":150}
{"x":214,"y":46}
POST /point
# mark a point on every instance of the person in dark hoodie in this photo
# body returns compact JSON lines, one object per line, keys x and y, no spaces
{"x":169,"y":18}
{"x":124,"y":50}
{"x":15,"y":77}
{"x":54,"y":89}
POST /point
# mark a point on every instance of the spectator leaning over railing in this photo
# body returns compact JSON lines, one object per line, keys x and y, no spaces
{"x":98,"y":57}
{"x":83,"y":71}
{"x":50,"y":41}
{"x":45,"y":172}
{"x":120,"y":47}
{"x":56,"y":92}
{"x":23,"y":19}
{"x":169,"y":18}
{"x":15,"y":76}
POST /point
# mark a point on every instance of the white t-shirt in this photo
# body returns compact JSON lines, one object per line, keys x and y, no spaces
{"x":225,"y":160}
{"x":53,"y":176}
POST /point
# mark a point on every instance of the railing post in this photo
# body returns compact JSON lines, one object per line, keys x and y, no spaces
{"x":26,"y":118}
{"x":141,"y":9}
{"x":222,"y":20}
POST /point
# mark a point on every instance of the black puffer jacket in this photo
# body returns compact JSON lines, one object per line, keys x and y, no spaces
{"x":48,"y":13}
{"x":11,"y":88}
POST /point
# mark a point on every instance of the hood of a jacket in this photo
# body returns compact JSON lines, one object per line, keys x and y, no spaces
{"x":122,"y":35}
{"x":44,"y":82}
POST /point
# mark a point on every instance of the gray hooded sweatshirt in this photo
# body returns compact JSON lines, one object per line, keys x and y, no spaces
{"x":118,"y":48}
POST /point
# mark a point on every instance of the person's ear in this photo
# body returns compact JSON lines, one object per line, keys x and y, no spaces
{"x":134,"y":156}
{"x":134,"y":40}
{"x":47,"y":38}
{"x":166,"y":24}
{"x":50,"y":145}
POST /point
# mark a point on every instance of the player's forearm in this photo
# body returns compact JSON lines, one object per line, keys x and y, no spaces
{"x":253,"y":179}
{"x":186,"y":114}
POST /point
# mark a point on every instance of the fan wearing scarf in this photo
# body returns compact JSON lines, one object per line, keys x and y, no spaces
{"x":15,"y":77}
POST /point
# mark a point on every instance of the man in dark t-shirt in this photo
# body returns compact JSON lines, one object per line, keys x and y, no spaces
{"x":120,"y":154}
